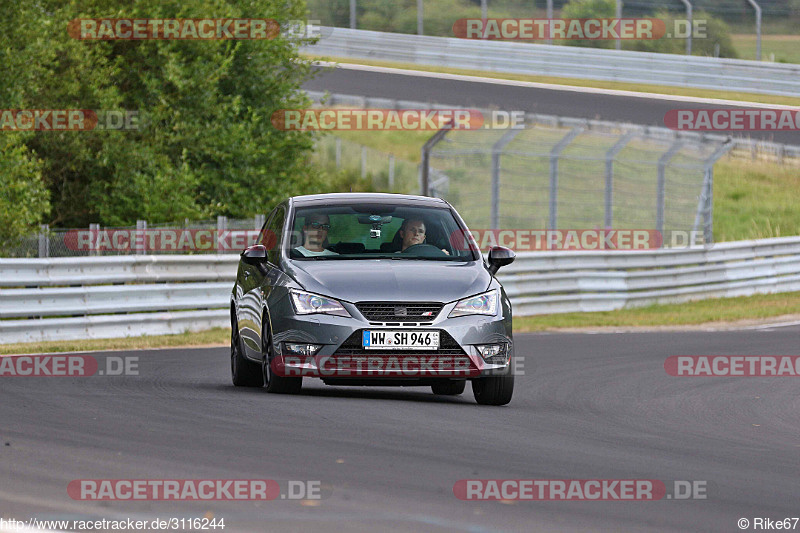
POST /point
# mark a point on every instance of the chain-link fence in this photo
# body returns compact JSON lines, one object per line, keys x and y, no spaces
{"x":567,"y":174}
{"x":223,"y":235}
{"x":386,"y":172}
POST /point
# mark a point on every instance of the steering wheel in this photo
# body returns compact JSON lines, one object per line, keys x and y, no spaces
{"x":424,"y":250}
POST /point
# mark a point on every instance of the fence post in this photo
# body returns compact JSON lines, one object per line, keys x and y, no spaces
{"x":691,"y":26}
{"x":758,"y":28}
{"x":141,"y":237}
{"x":706,"y":202}
{"x":391,"y":172}
{"x":352,"y":14}
{"x":663,"y":161}
{"x":424,"y":182}
{"x":497,"y":150}
{"x":549,"y":23}
{"x":609,"y":196}
{"x":554,"y":153}
{"x":338,"y":153}
{"x":222,"y":225}
{"x":94,"y":231}
{"x":618,"y":14}
{"x":44,"y":240}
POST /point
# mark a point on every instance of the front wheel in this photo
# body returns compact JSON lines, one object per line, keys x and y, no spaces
{"x":244,"y":373}
{"x":493,"y":390}
{"x":275,"y":384}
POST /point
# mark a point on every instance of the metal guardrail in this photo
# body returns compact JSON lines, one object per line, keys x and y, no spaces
{"x":562,"y":61}
{"x":103,"y":297}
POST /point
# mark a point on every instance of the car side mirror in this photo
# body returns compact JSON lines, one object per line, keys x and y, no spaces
{"x":500,"y":256}
{"x":255,"y":255}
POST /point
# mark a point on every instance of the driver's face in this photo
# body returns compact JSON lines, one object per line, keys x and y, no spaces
{"x":316,"y":231}
{"x":414,"y":233}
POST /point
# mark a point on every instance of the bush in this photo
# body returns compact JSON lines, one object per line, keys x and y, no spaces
{"x":23,"y":201}
{"x":716,"y":32}
{"x":589,"y":9}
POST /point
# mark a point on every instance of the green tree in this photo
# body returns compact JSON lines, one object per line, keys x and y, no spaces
{"x":205,"y":146}
{"x":709,"y":32}
{"x":23,"y":196}
{"x":589,"y":9}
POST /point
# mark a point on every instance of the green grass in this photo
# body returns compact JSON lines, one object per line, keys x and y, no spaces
{"x":211,"y":337}
{"x":712,"y":311}
{"x":615,"y":85}
{"x":755,"y":200}
{"x":785,"y":47}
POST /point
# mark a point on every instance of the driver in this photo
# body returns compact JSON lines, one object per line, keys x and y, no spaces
{"x":412,"y":231}
{"x":315,"y":235}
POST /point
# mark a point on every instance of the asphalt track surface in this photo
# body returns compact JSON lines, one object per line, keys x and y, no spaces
{"x":567,"y":103}
{"x":587,"y":407}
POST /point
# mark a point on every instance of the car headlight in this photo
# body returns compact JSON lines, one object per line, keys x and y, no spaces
{"x":482,"y":304}
{"x":296,"y":348}
{"x":494,"y":353}
{"x":306,"y":303}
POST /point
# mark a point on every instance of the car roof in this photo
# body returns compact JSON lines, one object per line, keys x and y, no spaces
{"x":362,"y":197}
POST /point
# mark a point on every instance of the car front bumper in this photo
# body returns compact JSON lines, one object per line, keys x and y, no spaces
{"x":341,"y":357}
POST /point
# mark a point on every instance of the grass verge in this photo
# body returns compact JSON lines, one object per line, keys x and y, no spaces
{"x":714,"y":311}
{"x":210,"y":337}
{"x":785,"y":48}
{"x":598,"y":84}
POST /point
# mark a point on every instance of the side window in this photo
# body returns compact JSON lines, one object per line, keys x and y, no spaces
{"x":273,"y":233}
{"x":262,"y":236}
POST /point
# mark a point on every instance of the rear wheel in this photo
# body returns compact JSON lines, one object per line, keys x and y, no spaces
{"x":493,"y":390}
{"x":244,"y":373}
{"x":275,"y":384}
{"x":449,"y":388}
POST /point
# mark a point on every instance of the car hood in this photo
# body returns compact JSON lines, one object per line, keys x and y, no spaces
{"x":389,"y":280}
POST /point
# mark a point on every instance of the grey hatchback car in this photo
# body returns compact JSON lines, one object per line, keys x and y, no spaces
{"x":371,"y":289}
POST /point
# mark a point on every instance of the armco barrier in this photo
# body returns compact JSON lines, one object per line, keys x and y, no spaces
{"x":562,"y":61}
{"x":101,"y":297}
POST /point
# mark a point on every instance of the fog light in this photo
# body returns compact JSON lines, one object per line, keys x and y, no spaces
{"x":496,"y":354}
{"x":292,"y":348}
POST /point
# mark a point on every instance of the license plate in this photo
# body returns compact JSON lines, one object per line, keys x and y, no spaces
{"x":387,"y":339}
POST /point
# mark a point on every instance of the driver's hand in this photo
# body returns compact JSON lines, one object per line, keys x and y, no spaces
{"x":445,"y":251}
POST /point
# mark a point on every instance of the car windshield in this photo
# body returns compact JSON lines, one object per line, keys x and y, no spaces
{"x":377,"y":232}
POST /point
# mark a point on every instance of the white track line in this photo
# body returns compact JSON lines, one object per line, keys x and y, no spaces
{"x":549,"y":86}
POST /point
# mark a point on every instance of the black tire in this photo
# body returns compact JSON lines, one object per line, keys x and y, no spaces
{"x":244,"y":373}
{"x":275,"y":384}
{"x":449,"y":388}
{"x":493,"y":390}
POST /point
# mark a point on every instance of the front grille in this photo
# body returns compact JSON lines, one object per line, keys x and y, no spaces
{"x":399,"y":311}
{"x":353,"y":346}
